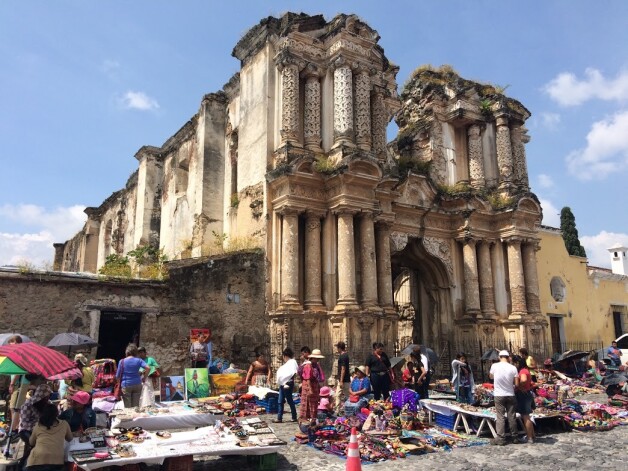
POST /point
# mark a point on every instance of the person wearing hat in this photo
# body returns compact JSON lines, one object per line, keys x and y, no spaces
{"x":324,"y":405}
{"x":505,"y":378}
{"x":312,"y":377}
{"x":80,"y":415}
{"x":359,"y":389}
{"x":343,"y":378}
{"x":86,"y":382}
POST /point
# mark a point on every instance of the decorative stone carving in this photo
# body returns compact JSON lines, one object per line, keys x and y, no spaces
{"x":438,"y":169}
{"x":399,"y":240}
{"x":504,"y":150}
{"x":440,"y":249}
{"x":350,"y":46}
{"x":476,"y":159}
{"x":343,"y":103}
{"x":379,"y":123}
{"x":312,"y":116}
{"x":295,"y":45}
{"x":290,"y":100}
{"x":363,"y":109}
{"x":519,"y":138}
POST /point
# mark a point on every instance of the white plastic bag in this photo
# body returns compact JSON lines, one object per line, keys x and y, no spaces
{"x":147,"y":398}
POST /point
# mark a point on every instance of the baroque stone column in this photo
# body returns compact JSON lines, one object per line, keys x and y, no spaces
{"x":290,"y":260}
{"x":312,"y":112}
{"x":517,"y":280}
{"x":363,"y":109}
{"x":504,"y":151}
{"x":343,"y":103}
{"x":485,"y":272}
{"x":471,"y":288}
{"x":346,"y":262}
{"x":379,"y":122}
{"x":528,"y":251}
{"x":368,"y":261}
{"x":519,"y":138}
{"x":313,"y":298}
{"x":289,"y":100}
{"x":476,"y":159}
{"x":384,"y":270}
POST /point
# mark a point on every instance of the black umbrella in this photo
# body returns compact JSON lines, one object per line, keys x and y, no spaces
{"x":431,"y":355}
{"x":613,"y":379}
{"x":490,"y":355}
{"x":71,"y":342}
{"x":573,"y":355}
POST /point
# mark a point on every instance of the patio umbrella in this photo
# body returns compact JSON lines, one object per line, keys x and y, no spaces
{"x":71,"y":342}
{"x":490,"y":355}
{"x":7,"y":367}
{"x":4,"y":338}
{"x":573,"y":355}
{"x":614,"y":378}
{"x":40,"y":360}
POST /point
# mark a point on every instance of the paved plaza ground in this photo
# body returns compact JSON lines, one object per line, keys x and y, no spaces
{"x":555,"y":451}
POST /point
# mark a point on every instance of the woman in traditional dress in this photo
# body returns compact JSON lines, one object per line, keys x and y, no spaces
{"x":259,"y":371}
{"x":312,"y":377}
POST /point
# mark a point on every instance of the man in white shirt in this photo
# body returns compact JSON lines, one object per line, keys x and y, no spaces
{"x":505,"y":379}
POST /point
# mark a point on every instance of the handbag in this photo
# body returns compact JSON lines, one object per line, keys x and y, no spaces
{"x":117,"y":388}
{"x":354,"y":398}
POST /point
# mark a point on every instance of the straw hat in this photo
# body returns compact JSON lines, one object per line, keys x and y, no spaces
{"x":80,"y":358}
{"x":316,"y":353}
{"x":362,"y":369}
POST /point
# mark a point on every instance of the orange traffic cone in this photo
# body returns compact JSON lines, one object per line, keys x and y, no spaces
{"x":353,"y":453}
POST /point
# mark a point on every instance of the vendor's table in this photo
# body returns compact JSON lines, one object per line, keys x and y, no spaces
{"x":156,"y":450}
{"x":178,"y":416}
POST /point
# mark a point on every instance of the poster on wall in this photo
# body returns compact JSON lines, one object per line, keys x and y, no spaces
{"x":225,"y":383}
{"x":172,"y":388}
{"x":196,"y":383}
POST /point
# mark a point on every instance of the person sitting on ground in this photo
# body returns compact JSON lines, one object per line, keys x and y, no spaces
{"x":80,"y":415}
{"x":462,"y":379}
{"x":324,"y":404}
{"x":524,"y":397}
{"x":259,"y":372}
{"x":593,"y":368}
{"x":47,"y":441}
{"x":360,"y":388}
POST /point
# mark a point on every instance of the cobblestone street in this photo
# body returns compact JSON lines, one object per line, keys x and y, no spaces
{"x":556,"y":451}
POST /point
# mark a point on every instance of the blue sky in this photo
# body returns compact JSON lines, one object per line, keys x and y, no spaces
{"x":84,"y":84}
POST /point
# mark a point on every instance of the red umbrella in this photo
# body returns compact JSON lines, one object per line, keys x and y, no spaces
{"x":41,"y":360}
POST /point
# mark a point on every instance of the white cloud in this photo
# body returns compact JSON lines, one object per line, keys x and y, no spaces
{"x":109,"y":65}
{"x":606,"y":150}
{"x":596,"y":246}
{"x":48,"y":227}
{"x":138,"y":101}
{"x":545,"y":181}
{"x":551,"y":214}
{"x":568,"y":90}
{"x":550,"y":120}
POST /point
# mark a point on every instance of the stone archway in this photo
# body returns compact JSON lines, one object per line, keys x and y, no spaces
{"x":422,"y":291}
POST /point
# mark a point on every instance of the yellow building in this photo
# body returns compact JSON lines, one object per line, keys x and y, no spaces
{"x":586,"y":306}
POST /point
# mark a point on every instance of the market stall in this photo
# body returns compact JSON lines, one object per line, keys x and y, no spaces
{"x":249,"y":437}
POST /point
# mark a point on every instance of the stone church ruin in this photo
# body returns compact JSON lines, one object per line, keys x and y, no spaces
{"x":427,"y":238}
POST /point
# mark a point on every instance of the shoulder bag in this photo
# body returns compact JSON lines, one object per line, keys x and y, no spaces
{"x":117,"y":389}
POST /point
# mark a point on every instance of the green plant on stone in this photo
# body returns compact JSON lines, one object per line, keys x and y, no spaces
{"x":117,"y":266}
{"x":324,"y":165}
{"x":235,"y":200}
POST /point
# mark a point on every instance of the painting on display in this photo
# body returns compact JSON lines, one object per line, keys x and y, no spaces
{"x":196,"y":383}
{"x":225,"y":383}
{"x":172,"y":388}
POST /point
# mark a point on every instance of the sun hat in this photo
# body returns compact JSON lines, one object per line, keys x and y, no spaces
{"x":316,"y":353}
{"x":325,"y":391}
{"x":81,"y":397}
{"x":361,"y":368}
{"x":504,"y":353}
{"x":80,"y":358}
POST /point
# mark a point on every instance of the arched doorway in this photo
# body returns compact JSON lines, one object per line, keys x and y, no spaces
{"x":422,"y":295}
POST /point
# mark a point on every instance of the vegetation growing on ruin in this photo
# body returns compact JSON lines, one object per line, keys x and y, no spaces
{"x":324,"y":165}
{"x":117,"y":266}
{"x":408,"y":164}
{"x":458,"y":190}
{"x":144,"y":262}
{"x":223,"y":244}
{"x":235,"y":200}
{"x":499,"y":201}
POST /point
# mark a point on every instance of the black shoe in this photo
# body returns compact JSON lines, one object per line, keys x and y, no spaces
{"x":517,"y":440}
{"x":294,"y":420}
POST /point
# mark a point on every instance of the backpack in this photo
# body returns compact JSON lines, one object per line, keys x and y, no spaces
{"x":104,"y":373}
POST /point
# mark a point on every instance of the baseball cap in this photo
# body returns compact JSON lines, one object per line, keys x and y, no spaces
{"x":504,"y":353}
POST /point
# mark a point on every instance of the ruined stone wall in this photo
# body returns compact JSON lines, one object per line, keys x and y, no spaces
{"x":41,"y":305}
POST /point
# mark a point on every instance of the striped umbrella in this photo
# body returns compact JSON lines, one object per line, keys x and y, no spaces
{"x":41,"y":360}
{"x":7,"y":367}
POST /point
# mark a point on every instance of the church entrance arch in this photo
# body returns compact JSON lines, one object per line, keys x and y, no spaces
{"x":422,"y":295}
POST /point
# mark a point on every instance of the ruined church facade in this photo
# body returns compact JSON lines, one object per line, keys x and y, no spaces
{"x":428,"y":238}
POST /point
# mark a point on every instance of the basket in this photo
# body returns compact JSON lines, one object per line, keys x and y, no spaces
{"x":179,"y":463}
{"x":270,"y":404}
{"x":445,"y":421}
{"x":266,"y":462}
